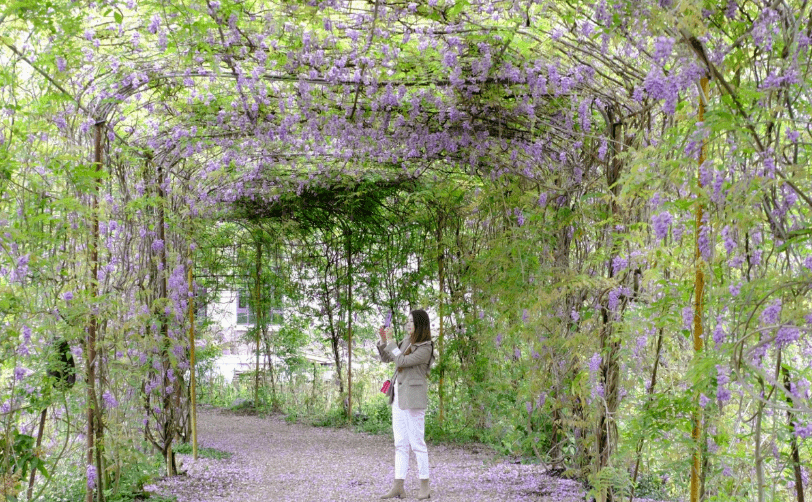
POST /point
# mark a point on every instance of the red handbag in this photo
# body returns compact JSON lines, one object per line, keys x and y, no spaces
{"x":385,"y":386}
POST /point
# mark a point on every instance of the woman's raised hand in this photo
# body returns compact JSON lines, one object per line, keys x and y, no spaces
{"x":385,"y":334}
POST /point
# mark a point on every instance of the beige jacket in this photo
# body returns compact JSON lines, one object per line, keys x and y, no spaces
{"x":410,"y":375}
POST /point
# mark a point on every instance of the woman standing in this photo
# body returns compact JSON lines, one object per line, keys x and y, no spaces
{"x":412,"y":358}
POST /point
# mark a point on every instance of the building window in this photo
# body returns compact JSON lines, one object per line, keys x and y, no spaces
{"x":277,"y":317}
{"x":244,"y":313}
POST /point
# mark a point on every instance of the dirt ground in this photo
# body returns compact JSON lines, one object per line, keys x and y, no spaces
{"x":277,"y":461}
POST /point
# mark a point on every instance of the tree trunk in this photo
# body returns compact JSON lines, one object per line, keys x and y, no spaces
{"x":796,"y":456}
{"x":699,"y":286}
{"x":441,"y":335}
{"x":348,"y":236}
{"x":192,"y":389}
{"x":610,"y":376}
{"x":269,"y":362}
{"x":258,"y":316}
{"x":610,"y":348}
{"x":333,"y":334}
{"x":758,"y":458}
{"x":90,"y":340}
{"x":163,"y":286}
{"x":40,"y":431}
{"x":639,"y":449}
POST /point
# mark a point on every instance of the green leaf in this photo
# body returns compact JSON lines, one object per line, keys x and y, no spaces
{"x":118,"y":16}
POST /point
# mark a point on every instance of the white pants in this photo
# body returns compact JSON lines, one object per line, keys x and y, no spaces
{"x":409,"y":428}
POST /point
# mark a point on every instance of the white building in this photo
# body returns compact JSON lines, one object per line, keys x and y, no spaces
{"x":232,"y":319}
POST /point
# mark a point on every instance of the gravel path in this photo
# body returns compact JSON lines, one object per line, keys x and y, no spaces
{"x":277,"y":461}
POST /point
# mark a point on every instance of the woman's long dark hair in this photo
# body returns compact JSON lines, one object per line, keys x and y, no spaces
{"x":422,"y":333}
{"x":422,"y":326}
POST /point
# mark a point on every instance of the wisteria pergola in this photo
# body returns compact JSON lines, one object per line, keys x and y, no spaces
{"x":638,"y":171}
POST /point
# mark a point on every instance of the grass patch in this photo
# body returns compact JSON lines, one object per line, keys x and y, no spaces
{"x":186,"y":449}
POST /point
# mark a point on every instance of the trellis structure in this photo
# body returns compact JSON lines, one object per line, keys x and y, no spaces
{"x":561,"y":136}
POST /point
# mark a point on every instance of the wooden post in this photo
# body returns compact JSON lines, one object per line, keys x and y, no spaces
{"x":699,"y":287}
{"x":348,"y":235}
{"x":90,"y":340}
{"x":441,"y":335}
{"x":192,"y":391}
{"x":163,"y":285}
{"x":796,"y":456}
{"x":257,"y":314}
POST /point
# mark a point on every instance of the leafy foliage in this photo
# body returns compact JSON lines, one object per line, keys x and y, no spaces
{"x":538,"y":172}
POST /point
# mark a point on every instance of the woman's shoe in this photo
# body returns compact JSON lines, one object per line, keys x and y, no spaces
{"x":424,"y":492}
{"x":396,"y":491}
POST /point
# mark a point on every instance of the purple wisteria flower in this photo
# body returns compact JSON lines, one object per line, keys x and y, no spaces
{"x":21,"y":271}
{"x":154,"y":24}
{"x":614,"y":299}
{"x":663,"y":46}
{"x":688,"y":318}
{"x":705,"y":173}
{"x":20,"y":373}
{"x":703,"y":400}
{"x":157,"y":245}
{"x":109,"y":399}
{"x":704,"y":240}
{"x":595,"y":363}
{"x":722,"y":379}
{"x":800,"y":389}
{"x":585,"y":114}
{"x":678,"y":231}
{"x":730,"y":243}
{"x":719,"y":334}
{"x":661,"y":88}
{"x":603,"y":148}
{"x":730,"y":11}
{"x":86,"y":125}
{"x":67,"y":296}
{"x":755,"y":258}
{"x":803,"y":432}
{"x":772,"y":313}
{"x":735,"y":261}
{"x":718,"y":183}
{"x":619,"y":263}
{"x":769,"y":165}
{"x":91,"y":477}
{"x":661,"y":222}
{"x":786,"y":335}
{"x":61,"y":64}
